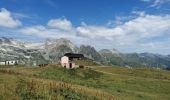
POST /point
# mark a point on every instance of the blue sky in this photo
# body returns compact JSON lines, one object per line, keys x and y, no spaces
{"x":127,"y":25}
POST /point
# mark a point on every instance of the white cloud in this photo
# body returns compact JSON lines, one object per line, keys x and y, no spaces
{"x":63,"y":24}
{"x":139,"y":13}
{"x":156,"y":3}
{"x":56,"y":28}
{"x":38,"y":30}
{"x":131,"y":33}
{"x":147,"y":26}
{"x":142,"y":27}
{"x":118,"y":20}
{"x":48,"y":32}
{"x":99,"y":31}
{"x":6,"y":20}
{"x":136,"y":33}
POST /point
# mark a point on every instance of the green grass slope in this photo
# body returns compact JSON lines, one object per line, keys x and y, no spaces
{"x":103,"y":83}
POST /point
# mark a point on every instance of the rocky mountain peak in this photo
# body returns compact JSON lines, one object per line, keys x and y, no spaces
{"x":55,"y":43}
{"x":90,"y":52}
{"x":114,"y":51}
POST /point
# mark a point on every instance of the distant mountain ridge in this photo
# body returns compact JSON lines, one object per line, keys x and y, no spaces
{"x":52,"y":49}
{"x":26,"y":52}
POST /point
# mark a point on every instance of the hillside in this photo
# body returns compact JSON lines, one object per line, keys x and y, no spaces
{"x":114,"y":83}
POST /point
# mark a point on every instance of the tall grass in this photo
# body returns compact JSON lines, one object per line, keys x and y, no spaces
{"x":28,"y":87}
{"x":56,"y":82}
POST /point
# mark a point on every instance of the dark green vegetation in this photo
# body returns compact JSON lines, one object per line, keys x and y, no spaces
{"x":54,"y":82}
{"x":86,"y":62}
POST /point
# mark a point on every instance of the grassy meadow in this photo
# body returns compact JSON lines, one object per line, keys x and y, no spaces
{"x":92,"y":83}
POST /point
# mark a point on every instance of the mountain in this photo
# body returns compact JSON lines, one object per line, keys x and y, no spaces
{"x":52,"y":49}
{"x":26,"y":52}
{"x":111,"y":57}
{"x":56,"y":48}
{"x":135,"y":59}
{"x":90,"y":52}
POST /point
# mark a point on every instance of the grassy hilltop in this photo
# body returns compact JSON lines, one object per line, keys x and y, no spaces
{"x":92,"y":83}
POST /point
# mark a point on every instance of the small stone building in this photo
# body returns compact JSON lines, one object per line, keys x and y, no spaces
{"x":67,"y":60}
{"x":8,"y":62}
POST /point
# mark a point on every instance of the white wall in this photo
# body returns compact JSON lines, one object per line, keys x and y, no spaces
{"x":64,"y":59}
{"x":2,"y":63}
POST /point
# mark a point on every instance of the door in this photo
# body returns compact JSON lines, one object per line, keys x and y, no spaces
{"x":64,"y":65}
{"x":70,"y":65}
